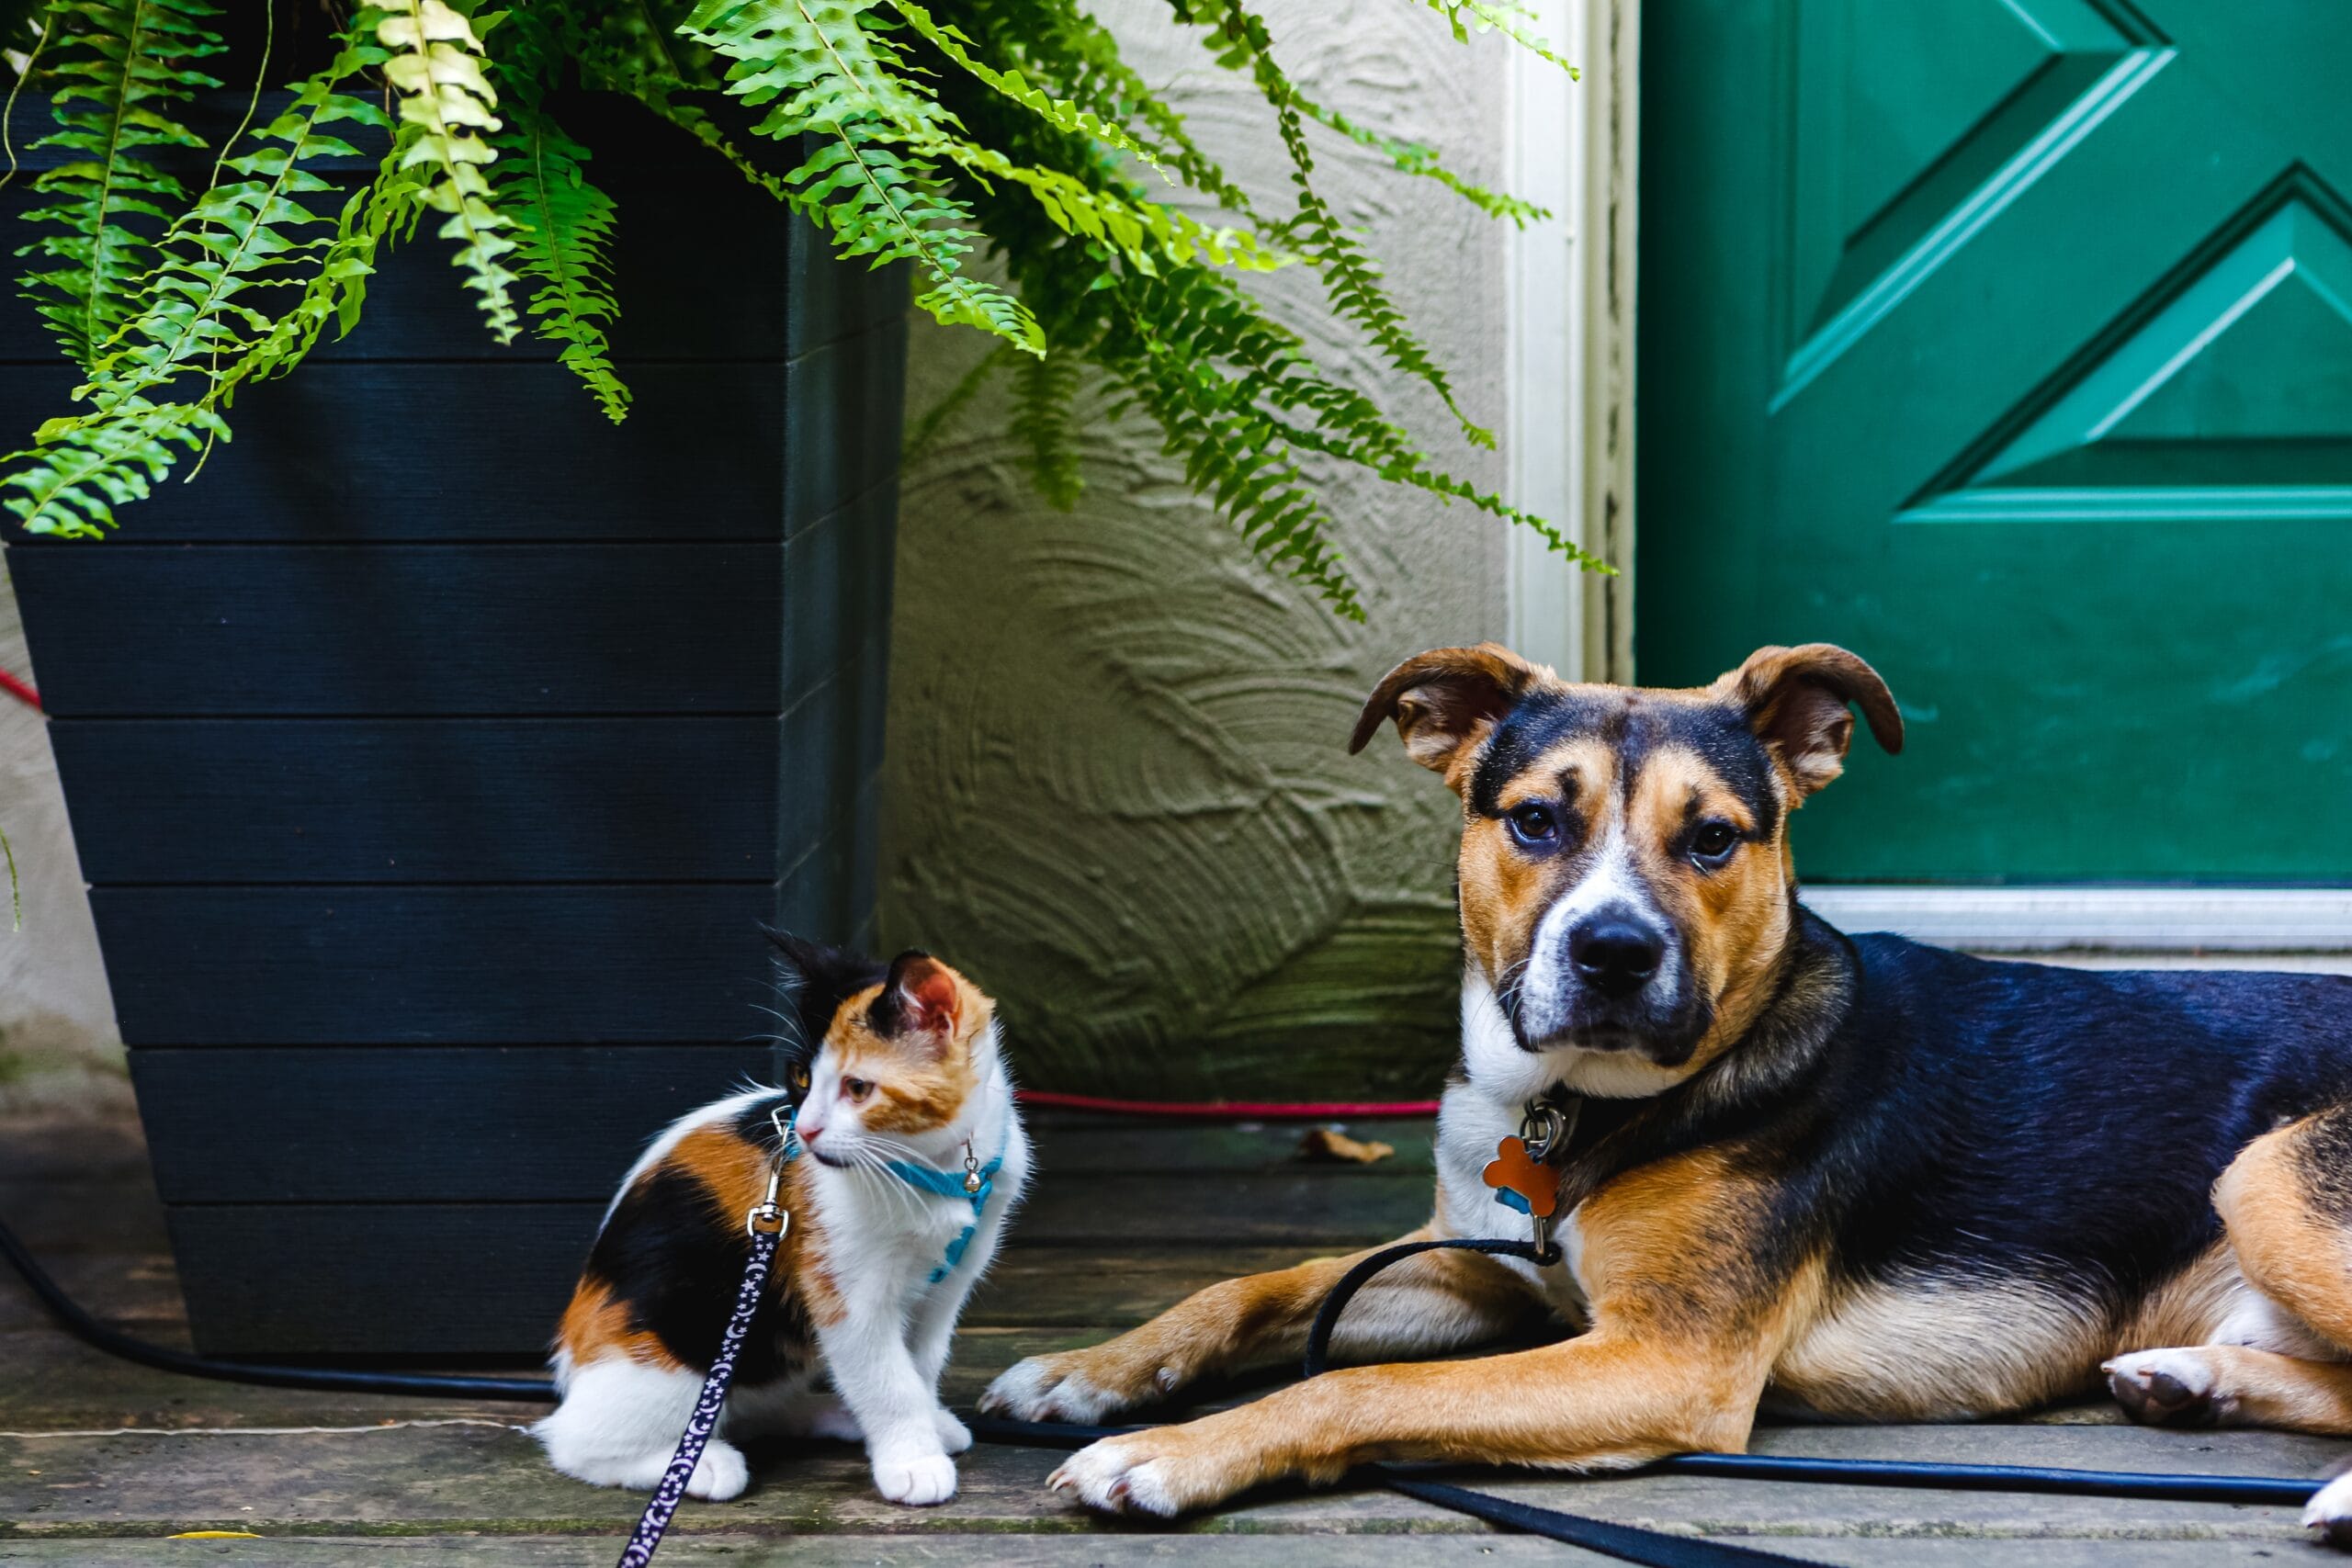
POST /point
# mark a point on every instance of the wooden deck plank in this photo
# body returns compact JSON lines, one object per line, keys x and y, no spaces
{"x":1128,"y":1548}
{"x":99,"y":1459}
{"x":486,"y":1476}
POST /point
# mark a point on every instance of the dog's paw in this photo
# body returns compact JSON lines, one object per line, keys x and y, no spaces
{"x":917,"y":1479}
{"x":1054,"y":1388}
{"x":1171,"y":1469}
{"x":1120,"y":1475}
{"x":954,"y":1435}
{"x":2330,"y":1513}
{"x":2168,"y":1388}
{"x":723,"y":1472}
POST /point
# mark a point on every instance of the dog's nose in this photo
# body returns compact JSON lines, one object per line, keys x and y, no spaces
{"x":1615,"y":956}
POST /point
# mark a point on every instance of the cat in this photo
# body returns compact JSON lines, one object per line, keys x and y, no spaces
{"x":900,"y":1094}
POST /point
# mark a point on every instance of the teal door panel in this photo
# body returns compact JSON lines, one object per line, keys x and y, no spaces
{"x":2009,"y":342}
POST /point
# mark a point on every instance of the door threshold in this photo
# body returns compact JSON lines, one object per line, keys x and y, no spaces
{"x":2173,"y":923}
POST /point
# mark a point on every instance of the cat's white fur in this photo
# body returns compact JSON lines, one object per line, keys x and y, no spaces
{"x":619,"y":1420}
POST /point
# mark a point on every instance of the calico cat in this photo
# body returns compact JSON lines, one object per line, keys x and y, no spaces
{"x":906,"y":1156}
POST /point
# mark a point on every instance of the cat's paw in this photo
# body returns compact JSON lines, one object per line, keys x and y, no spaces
{"x":916,"y":1480}
{"x":721,"y":1473}
{"x":1054,"y":1388}
{"x":835,"y":1420}
{"x":954,"y":1435}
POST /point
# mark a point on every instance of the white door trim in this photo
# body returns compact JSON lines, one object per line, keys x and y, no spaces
{"x":2114,"y":920}
{"x":1571,"y":147}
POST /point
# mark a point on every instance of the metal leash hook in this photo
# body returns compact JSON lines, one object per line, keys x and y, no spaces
{"x":1547,"y":1129}
{"x":767,"y":1217}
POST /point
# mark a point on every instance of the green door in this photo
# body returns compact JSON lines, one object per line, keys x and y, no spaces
{"x":2009,"y":342}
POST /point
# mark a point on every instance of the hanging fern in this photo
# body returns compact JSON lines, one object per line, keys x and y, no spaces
{"x":916,"y":132}
{"x":1044,"y":394}
{"x":563,"y":225}
{"x":158,"y":384}
{"x":123,"y":69}
{"x":435,"y":67}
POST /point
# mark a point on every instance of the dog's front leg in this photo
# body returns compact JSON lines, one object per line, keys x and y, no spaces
{"x":1693,"y":1296}
{"x":1596,"y":1403}
{"x":1426,"y":1305}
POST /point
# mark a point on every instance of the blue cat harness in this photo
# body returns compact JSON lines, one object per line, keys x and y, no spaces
{"x":976,"y":1183}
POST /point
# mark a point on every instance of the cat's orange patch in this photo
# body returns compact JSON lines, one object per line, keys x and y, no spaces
{"x":596,"y":1326}
{"x":919,"y":1084}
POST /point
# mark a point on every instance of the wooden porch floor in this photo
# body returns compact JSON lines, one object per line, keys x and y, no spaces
{"x":101,"y":1461}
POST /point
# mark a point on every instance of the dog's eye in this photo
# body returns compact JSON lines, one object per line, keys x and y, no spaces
{"x":1713,"y":841}
{"x":1535,"y":825}
{"x":858,"y":1089}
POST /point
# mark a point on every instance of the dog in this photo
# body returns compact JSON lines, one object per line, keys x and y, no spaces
{"x":1858,"y":1176}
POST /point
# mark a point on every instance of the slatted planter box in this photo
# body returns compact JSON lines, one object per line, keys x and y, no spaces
{"x":433,"y":759}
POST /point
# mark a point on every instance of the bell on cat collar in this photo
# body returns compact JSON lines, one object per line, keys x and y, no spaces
{"x":971,"y":1169}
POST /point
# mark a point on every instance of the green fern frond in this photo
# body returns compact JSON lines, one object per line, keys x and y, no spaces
{"x":1077,"y":53}
{"x":821,"y":73}
{"x":1351,"y":278}
{"x":886,"y":208}
{"x":1060,"y":112}
{"x":1144,"y":232}
{"x":123,"y":68}
{"x":435,"y":69}
{"x":1468,"y":17}
{"x":813,"y":66}
{"x":1044,"y":393}
{"x":204,"y":327}
{"x":1422,"y":161}
{"x":563,"y":224}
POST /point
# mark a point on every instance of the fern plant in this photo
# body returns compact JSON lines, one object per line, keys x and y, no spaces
{"x":933,"y":135}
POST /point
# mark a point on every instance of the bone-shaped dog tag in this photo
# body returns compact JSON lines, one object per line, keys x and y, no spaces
{"x":1523,"y":1182}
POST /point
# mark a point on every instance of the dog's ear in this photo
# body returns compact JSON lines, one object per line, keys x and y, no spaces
{"x":1444,"y":700}
{"x":1795,"y":699}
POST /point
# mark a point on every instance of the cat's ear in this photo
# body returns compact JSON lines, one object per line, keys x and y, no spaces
{"x":816,"y":980}
{"x":919,"y":996}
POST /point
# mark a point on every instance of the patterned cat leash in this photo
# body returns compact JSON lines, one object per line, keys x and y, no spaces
{"x":766,"y":1223}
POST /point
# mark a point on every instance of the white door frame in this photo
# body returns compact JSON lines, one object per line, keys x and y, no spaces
{"x":1574,"y":148}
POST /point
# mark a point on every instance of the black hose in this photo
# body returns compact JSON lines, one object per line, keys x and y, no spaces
{"x":114,"y":1342}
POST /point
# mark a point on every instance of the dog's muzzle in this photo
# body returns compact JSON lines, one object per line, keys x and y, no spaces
{"x":1613,"y":980}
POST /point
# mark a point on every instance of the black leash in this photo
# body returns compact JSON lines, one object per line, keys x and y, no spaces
{"x":2141,"y":1485}
{"x":659,"y":1508}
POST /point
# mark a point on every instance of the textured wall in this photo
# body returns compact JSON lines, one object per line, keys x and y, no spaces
{"x":1117,"y":784}
{"x":58,"y":1045}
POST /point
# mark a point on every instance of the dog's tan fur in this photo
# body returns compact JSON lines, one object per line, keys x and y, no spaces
{"x":1688,"y":1331}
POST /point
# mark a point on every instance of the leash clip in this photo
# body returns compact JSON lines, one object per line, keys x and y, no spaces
{"x":1545,"y":1129}
{"x":769,"y":1218}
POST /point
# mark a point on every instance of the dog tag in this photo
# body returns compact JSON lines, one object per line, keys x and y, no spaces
{"x":1522,"y":1181}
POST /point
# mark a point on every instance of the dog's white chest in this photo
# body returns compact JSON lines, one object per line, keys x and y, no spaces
{"x":1469,"y":1126}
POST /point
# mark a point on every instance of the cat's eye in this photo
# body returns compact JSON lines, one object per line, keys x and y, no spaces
{"x":858,"y":1089}
{"x":800,"y":1079}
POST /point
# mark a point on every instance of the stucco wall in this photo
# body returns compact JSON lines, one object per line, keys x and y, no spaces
{"x":1117,"y":786}
{"x":58,"y":1046}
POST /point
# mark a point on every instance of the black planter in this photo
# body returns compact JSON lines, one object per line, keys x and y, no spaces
{"x":436,"y":756}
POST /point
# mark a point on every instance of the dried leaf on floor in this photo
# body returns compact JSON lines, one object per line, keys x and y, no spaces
{"x":1328,"y":1145}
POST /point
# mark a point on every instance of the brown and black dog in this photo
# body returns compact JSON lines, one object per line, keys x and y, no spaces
{"x":1856,"y":1175}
